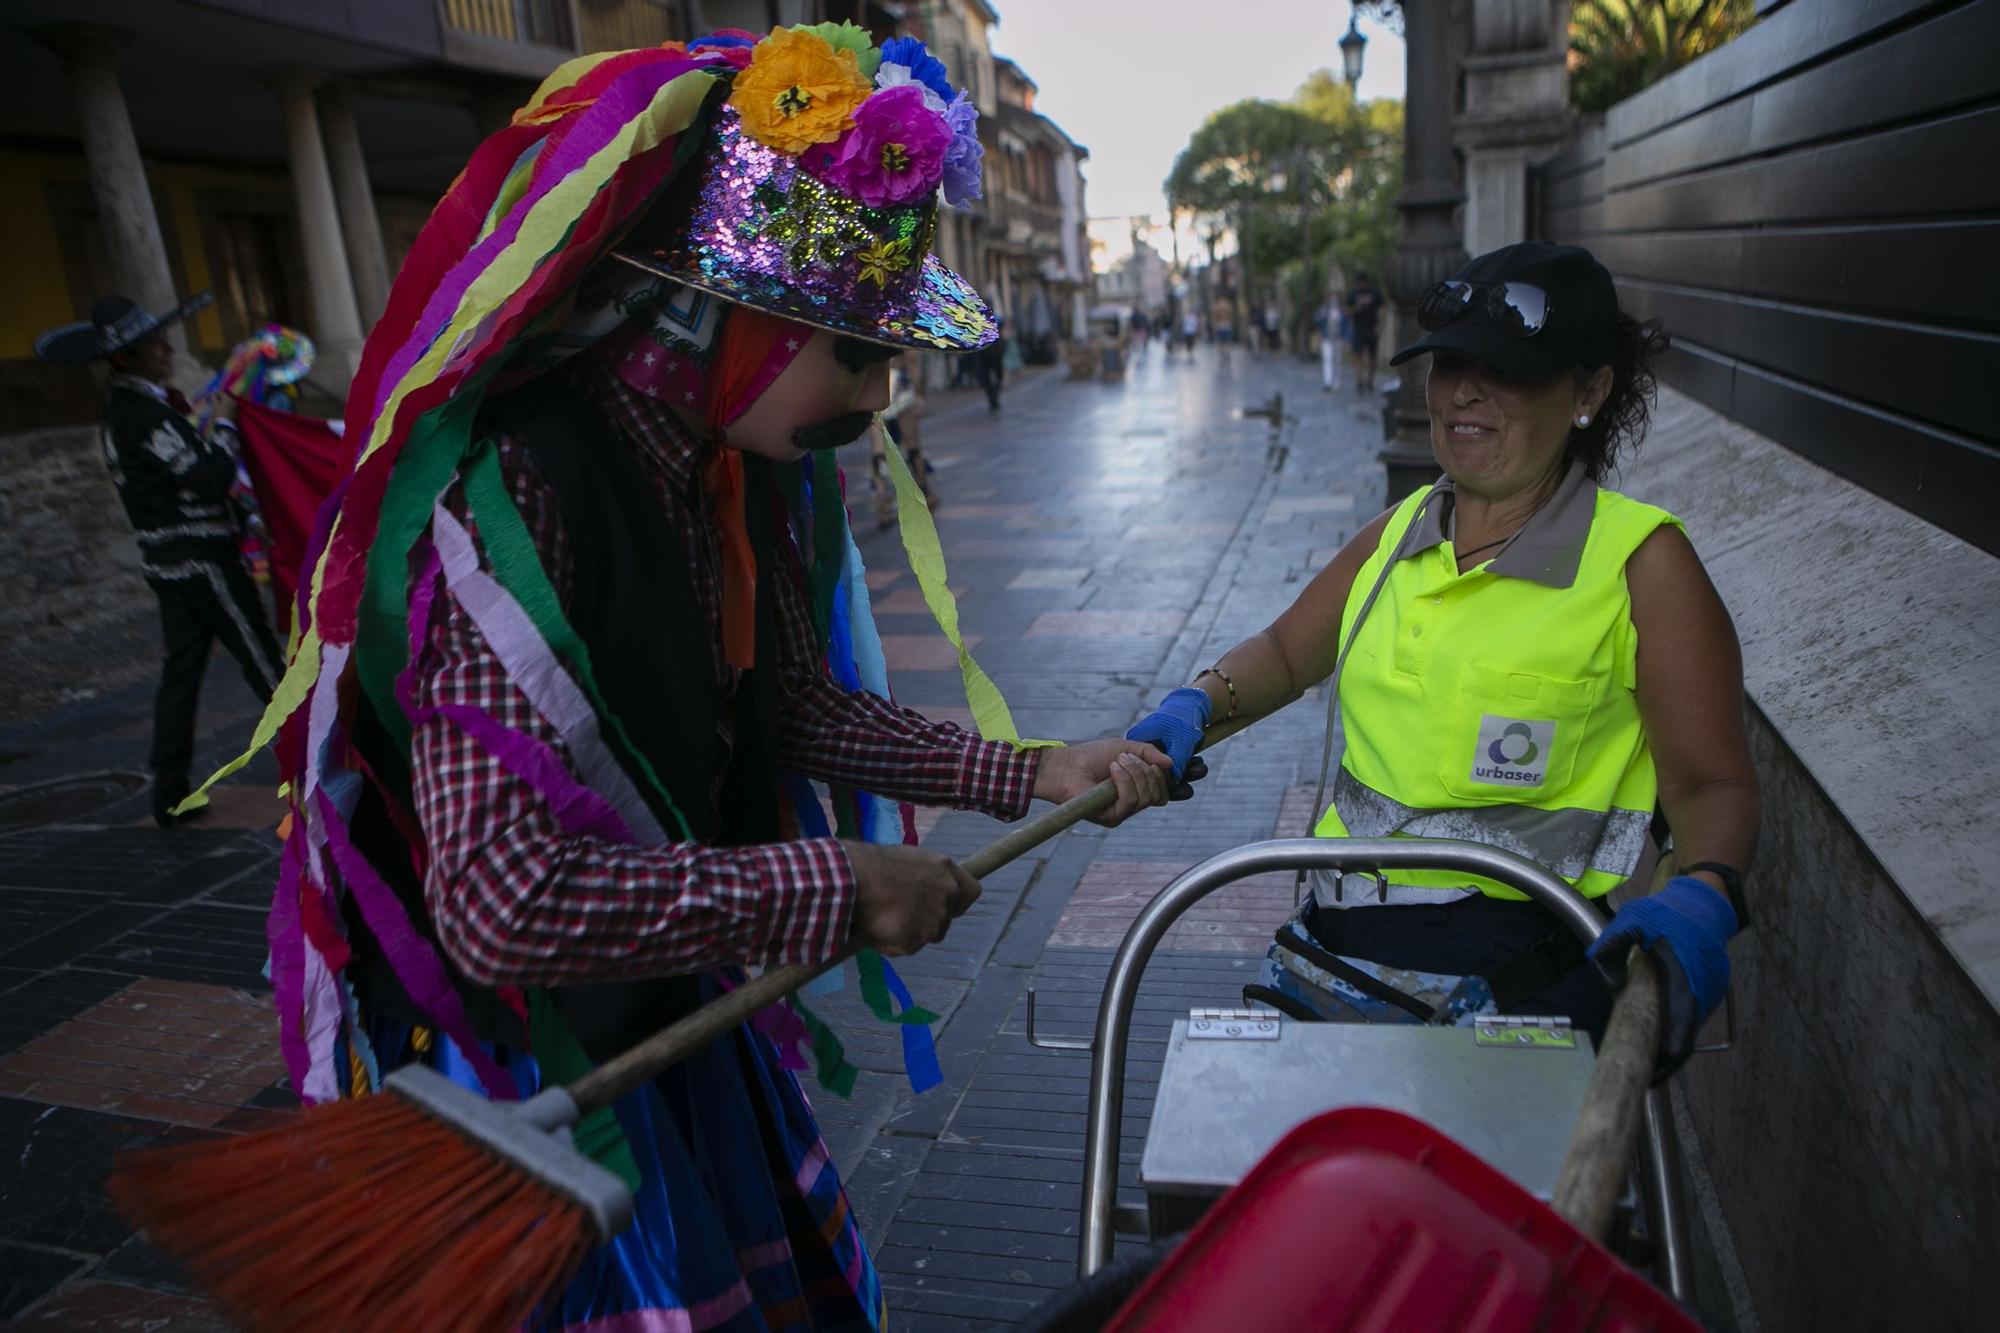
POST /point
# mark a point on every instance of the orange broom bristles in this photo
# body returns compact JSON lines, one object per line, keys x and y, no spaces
{"x":363,"y":1214}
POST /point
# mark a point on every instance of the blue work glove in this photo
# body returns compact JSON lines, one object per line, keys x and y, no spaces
{"x":1175,"y":728}
{"x":1685,"y":928}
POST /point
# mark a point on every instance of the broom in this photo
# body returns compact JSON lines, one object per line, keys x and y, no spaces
{"x":434,"y":1208}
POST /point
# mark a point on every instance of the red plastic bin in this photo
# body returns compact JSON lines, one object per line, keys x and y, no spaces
{"x":1369,"y":1220}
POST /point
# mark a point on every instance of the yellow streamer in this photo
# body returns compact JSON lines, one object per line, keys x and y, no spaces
{"x":291,"y":692}
{"x":926,"y":553}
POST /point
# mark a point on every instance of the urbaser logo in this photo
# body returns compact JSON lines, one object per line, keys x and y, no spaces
{"x":1512,"y":751}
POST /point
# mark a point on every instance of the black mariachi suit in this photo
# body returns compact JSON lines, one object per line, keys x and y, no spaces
{"x":175,"y":488}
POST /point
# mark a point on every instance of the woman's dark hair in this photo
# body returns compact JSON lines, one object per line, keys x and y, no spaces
{"x":1619,"y":425}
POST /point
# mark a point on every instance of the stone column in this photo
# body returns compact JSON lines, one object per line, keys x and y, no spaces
{"x":1516,"y":112}
{"x":336,"y":323}
{"x":1432,"y":248}
{"x":367,"y":258}
{"x":125,"y":213}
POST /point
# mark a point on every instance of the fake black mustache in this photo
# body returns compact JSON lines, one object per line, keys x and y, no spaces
{"x":832,"y":433}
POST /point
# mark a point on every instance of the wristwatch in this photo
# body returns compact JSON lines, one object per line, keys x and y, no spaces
{"x":1732,"y":886}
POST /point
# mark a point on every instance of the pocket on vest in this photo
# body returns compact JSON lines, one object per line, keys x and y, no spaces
{"x":1513,"y":734}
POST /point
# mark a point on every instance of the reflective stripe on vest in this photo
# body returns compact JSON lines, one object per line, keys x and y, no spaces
{"x":1501,"y":708}
{"x":1569,"y":842}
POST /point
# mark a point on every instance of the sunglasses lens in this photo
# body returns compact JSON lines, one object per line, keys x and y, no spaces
{"x":1443,"y":303}
{"x":1520,"y":308}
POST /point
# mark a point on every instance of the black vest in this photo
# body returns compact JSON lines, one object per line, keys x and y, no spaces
{"x":631,"y":602}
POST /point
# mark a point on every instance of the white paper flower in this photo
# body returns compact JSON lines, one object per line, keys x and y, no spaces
{"x":891,"y":75}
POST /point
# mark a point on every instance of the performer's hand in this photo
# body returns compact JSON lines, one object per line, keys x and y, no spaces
{"x":1140,"y":771}
{"x":906,"y":897}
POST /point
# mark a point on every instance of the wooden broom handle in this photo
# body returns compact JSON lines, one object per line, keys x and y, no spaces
{"x":1593,"y":1169}
{"x":676,"y":1042}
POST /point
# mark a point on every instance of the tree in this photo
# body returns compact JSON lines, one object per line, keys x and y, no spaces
{"x":1617,"y":47}
{"x":1304,"y":184}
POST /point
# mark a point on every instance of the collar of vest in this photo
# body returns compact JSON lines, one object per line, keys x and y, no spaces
{"x":1549,"y":549}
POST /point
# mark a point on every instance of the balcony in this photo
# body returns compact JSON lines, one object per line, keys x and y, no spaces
{"x":529,"y":38}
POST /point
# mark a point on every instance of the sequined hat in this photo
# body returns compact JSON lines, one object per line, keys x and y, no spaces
{"x":836,"y":234}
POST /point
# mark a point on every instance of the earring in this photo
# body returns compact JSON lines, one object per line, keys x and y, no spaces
{"x":1583,"y":419}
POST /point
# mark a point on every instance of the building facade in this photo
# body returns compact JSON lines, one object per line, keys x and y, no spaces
{"x":286,"y":156}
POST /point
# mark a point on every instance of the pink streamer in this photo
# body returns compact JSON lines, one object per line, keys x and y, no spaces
{"x":286,"y":935}
{"x":780,"y":1023}
{"x":415,"y":963}
{"x":579,"y":811}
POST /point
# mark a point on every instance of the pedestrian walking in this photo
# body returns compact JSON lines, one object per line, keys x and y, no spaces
{"x":1521,"y":658}
{"x":902,"y":428}
{"x":174,"y":482}
{"x":587,"y":628}
{"x":1332,"y":328}
{"x":1364,"y":312}
{"x":991,"y":363}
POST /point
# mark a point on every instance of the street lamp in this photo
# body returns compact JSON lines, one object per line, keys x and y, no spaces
{"x":1351,"y":47}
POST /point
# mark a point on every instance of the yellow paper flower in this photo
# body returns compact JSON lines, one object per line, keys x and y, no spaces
{"x":798,"y":91}
{"x":881,"y":259}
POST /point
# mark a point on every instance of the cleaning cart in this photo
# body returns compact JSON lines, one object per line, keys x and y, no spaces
{"x":1516,"y":1113}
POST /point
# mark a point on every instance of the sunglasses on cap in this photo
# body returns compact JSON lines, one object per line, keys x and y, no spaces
{"x":1517,"y":308}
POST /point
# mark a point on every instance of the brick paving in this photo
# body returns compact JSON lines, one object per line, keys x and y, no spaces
{"x":1106,"y":540}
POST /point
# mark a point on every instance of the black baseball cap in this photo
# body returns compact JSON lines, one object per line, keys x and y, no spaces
{"x":1579,"y":328}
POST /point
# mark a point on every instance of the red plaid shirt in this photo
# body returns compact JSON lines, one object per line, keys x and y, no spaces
{"x":517,"y":901}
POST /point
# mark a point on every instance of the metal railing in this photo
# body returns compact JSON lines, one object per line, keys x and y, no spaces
{"x":623,"y":25}
{"x":543,"y":22}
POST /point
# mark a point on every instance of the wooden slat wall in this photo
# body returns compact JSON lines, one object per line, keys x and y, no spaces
{"x":1814,"y":211}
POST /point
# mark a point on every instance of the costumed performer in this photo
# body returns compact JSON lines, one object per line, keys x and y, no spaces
{"x":174,"y":481}
{"x":585,"y":618}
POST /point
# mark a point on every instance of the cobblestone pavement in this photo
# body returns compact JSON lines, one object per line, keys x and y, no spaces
{"x":1106,"y":540}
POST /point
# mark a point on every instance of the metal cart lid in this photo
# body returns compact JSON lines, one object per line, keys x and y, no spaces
{"x":1222,"y":1104}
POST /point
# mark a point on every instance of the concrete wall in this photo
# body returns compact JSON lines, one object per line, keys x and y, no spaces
{"x":1850,"y":1137}
{"x":74,"y":612}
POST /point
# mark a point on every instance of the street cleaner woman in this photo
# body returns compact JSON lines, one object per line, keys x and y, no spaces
{"x":584,"y":620}
{"x":1522,"y":658}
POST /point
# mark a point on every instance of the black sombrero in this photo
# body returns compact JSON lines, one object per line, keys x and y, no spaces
{"x":115,"y":323}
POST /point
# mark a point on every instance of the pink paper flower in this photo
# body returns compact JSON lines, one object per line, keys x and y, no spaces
{"x":895,"y":152}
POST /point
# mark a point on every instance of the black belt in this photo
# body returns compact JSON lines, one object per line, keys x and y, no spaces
{"x":1541,"y":964}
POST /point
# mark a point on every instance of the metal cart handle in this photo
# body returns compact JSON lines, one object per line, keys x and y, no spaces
{"x":1121,"y":992}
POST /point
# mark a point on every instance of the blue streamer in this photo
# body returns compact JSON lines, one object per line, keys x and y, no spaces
{"x":812,"y":824}
{"x":920,"y":1059}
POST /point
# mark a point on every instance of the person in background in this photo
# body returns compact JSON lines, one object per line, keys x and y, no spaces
{"x":991,"y":363}
{"x":1332,"y":327}
{"x":1273,"y":331}
{"x":1364,"y":313}
{"x":902,"y":422}
{"x":1522,"y":658}
{"x":174,"y":483}
{"x":1190,"y":331}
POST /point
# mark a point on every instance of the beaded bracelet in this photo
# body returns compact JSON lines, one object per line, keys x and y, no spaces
{"x":1227,"y":683}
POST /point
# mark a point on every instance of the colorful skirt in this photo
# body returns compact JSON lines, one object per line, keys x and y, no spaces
{"x":740,"y":1225}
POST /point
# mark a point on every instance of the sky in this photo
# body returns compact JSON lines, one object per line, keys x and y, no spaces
{"x":1132,"y":79}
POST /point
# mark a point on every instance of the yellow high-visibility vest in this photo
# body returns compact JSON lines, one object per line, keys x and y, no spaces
{"x":1498,"y":705}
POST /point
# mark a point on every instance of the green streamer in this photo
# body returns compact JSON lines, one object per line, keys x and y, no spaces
{"x":382,"y":631}
{"x":561,"y":1057}
{"x":832,"y":1069}
{"x":875,"y":993}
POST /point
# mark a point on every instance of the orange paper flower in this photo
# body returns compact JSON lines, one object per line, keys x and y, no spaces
{"x":798,"y":91}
